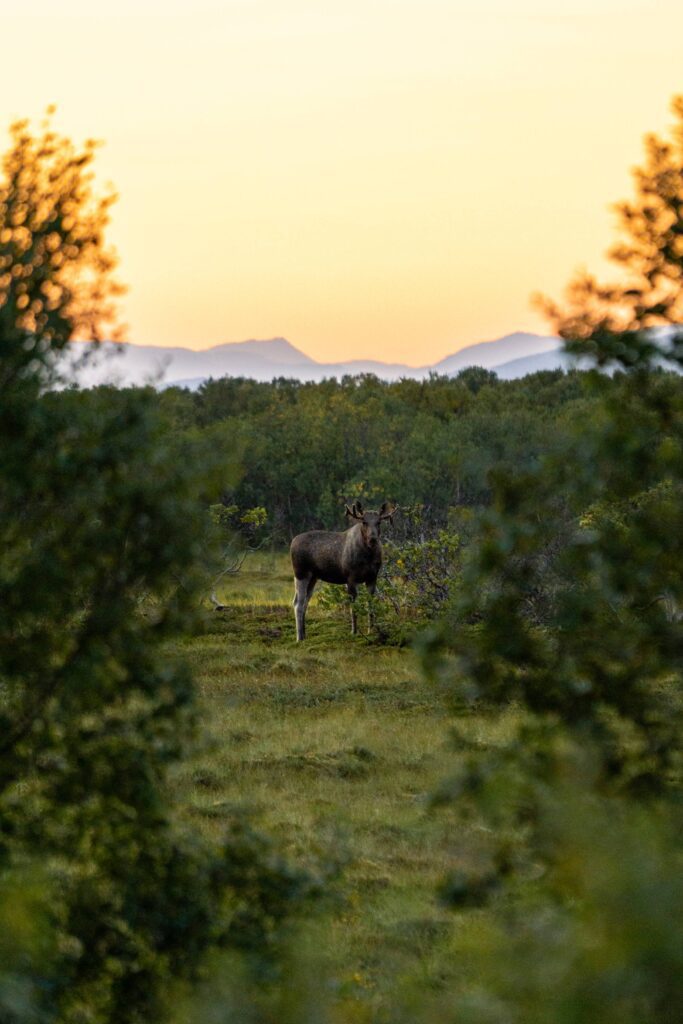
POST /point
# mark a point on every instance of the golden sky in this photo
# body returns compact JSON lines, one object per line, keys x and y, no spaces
{"x":387,"y":179}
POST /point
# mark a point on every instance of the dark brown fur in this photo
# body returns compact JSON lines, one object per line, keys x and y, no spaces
{"x":348,"y":558}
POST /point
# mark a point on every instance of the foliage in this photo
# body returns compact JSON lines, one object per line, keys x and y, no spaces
{"x":618,"y":323}
{"x":418,"y":578}
{"x":231,"y":519}
{"x":266,"y":892}
{"x":581,"y":804}
{"x":230,"y":535}
{"x":109,"y":899}
{"x":55,"y":271}
{"x":602,"y":942}
{"x":611,"y":651}
{"x":305,"y":449}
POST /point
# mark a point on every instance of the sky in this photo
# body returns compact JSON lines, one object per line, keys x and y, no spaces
{"x":387,"y":179}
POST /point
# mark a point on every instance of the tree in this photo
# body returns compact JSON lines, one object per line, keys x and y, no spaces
{"x":618,"y":322}
{"x":110,"y":900}
{"x":56,"y":274}
{"x":615,"y":493}
{"x":596,"y":744}
{"x":89,"y":714}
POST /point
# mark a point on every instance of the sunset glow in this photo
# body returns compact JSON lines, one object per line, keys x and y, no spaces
{"x":388,"y":179}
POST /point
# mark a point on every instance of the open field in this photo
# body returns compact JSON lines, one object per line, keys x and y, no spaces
{"x":335,"y":745}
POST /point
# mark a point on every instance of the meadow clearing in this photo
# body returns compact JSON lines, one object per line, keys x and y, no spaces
{"x":335,"y":746}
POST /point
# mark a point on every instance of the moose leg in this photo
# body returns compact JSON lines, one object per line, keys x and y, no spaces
{"x":300,"y":603}
{"x":351,"y":589}
{"x":309,"y":590}
{"x":302,"y":595}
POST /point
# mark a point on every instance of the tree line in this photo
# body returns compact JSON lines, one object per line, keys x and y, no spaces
{"x":300,"y":450}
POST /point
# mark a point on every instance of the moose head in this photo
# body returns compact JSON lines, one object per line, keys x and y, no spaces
{"x":370,"y":520}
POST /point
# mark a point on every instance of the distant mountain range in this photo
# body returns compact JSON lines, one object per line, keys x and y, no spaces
{"x":513,"y":356}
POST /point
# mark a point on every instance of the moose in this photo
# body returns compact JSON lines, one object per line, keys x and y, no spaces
{"x":350,"y":558}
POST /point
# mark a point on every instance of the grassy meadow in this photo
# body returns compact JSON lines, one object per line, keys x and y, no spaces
{"x":335,"y":745}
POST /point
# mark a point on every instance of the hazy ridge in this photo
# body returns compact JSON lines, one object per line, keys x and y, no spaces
{"x":511,"y":356}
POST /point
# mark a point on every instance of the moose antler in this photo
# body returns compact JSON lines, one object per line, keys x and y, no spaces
{"x":355,"y":512}
{"x":386,"y":513}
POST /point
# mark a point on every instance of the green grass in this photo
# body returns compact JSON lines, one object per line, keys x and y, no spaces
{"x":336,"y":745}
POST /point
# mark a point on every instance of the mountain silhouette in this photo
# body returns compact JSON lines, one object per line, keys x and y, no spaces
{"x":130,"y":364}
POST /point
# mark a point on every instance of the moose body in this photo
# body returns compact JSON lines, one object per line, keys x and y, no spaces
{"x":348,"y":558}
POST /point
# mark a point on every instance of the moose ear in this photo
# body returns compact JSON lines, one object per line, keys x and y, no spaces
{"x":349,"y":512}
{"x":359,"y":509}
